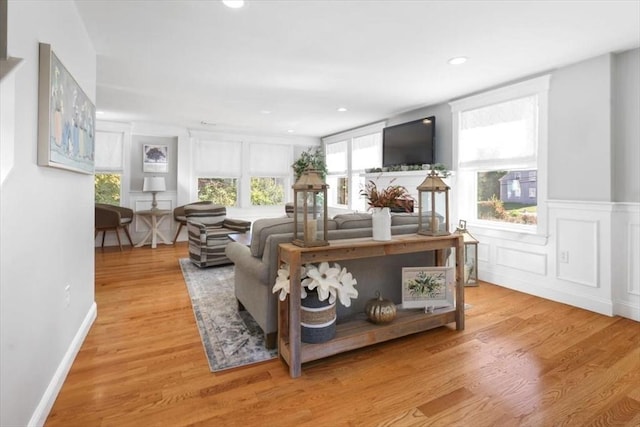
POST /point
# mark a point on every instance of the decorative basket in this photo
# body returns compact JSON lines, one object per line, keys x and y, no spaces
{"x":317,"y":319}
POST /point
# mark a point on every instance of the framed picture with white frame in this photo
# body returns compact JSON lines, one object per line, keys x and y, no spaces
{"x":428,"y":287}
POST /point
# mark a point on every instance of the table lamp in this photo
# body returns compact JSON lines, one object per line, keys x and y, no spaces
{"x":153,"y":184}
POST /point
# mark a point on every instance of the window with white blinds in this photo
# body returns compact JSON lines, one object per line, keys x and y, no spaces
{"x":499,"y":144}
{"x":109,"y":151}
{"x":109,"y":167}
{"x":336,"y":157}
{"x":348,"y":155}
{"x":218,"y":158}
{"x":269,"y":159}
{"x":366,"y":152}
{"x":502,"y":135}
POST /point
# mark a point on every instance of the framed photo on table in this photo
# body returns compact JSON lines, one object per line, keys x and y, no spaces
{"x":428,"y":287}
{"x":155,"y":158}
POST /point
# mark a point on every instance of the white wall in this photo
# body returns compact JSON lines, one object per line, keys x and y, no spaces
{"x":600,"y":237}
{"x":46,"y":227}
{"x":626,"y":127}
{"x":580,"y":131}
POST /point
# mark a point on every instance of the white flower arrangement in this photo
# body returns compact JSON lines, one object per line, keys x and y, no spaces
{"x":334,"y":283}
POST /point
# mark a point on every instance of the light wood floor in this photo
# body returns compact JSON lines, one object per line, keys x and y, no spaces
{"x":521,"y":361}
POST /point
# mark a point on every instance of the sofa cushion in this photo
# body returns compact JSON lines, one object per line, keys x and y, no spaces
{"x":264,"y":227}
{"x":353,"y":220}
{"x":209,"y":215}
{"x":404,"y":218}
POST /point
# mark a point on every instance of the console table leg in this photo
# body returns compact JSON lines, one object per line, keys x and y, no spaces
{"x":295,"y":364}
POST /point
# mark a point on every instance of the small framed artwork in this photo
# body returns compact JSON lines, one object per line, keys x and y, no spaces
{"x":66,"y":118}
{"x":427,"y":287}
{"x":155,"y":158}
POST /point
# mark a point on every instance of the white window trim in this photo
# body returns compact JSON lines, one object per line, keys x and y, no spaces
{"x":537,"y":86}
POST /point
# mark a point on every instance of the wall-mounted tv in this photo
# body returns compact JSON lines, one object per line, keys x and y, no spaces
{"x":411,"y":143}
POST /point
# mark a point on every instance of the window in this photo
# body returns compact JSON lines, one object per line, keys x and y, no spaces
{"x":499,"y":137}
{"x":108,"y":167}
{"x":222,"y":191}
{"x":269,"y":169}
{"x":337,"y":173}
{"x":218,"y":168}
{"x":348,"y":155}
{"x":107,"y":187}
{"x":267,"y":191}
{"x":342,"y":190}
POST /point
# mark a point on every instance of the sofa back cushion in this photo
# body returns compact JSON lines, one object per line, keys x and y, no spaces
{"x":404,"y":218}
{"x":264,"y":227}
{"x":353,"y":220}
{"x":206,"y":214}
{"x":412,"y":218}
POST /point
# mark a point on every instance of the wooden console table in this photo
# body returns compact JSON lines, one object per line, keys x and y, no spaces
{"x":360,"y":333}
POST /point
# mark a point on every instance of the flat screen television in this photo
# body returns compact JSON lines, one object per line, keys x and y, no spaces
{"x":411,"y":143}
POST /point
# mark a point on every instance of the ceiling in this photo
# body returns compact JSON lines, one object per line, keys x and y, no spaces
{"x":285,"y":67}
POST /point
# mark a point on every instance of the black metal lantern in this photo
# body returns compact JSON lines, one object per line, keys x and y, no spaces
{"x":310,"y":210}
{"x":470,"y":255}
{"x":433,"y":197}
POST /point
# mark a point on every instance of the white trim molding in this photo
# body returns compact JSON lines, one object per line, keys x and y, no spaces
{"x":41,"y":412}
{"x":590,"y":258}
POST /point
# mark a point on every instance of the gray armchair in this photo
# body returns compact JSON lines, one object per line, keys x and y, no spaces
{"x":181,"y":218}
{"x":209,"y":230}
{"x":109,"y":217}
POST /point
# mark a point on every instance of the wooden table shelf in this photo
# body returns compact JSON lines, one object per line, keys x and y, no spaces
{"x":358,"y":332}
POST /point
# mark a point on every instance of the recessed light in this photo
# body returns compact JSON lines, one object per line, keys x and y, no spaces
{"x":99,"y":113}
{"x":457,"y":60}
{"x":265,"y":112}
{"x":233,"y":4}
{"x":342,"y":109}
{"x":290,"y":130}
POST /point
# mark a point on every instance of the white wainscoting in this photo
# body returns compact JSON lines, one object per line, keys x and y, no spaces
{"x":626,"y":260}
{"x":588,"y":260}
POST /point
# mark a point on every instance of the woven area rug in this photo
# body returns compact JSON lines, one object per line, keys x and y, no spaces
{"x":230,"y":338}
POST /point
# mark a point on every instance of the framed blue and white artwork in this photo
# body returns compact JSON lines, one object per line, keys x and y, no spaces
{"x":66,"y":118}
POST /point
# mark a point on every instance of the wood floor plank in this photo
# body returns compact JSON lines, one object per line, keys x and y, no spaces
{"x":521,"y":361}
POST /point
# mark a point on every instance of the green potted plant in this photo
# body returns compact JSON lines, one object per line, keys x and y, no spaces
{"x":313,"y":158}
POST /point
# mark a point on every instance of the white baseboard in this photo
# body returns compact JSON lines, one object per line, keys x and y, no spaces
{"x":41,"y":412}
{"x":628,"y":310}
{"x":600,"y":306}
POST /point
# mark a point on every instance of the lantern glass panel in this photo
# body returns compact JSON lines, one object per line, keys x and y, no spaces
{"x":432,"y":209}
{"x":470,"y":264}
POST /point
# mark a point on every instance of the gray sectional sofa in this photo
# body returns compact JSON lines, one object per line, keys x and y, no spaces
{"x":256,"y":266}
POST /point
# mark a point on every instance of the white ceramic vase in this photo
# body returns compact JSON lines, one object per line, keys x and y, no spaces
{"x":381,"y":224}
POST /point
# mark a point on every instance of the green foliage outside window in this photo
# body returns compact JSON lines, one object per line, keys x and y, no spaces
{"x":489,"y":184}
{"x":267,"y":191}
{"x":107,"y":188}
{"x":222,"y":191}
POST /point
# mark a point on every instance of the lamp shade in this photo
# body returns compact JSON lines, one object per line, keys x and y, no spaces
{"x":154,"y":184}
